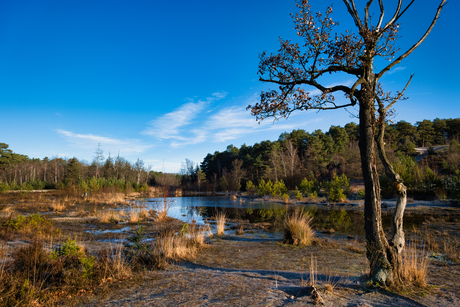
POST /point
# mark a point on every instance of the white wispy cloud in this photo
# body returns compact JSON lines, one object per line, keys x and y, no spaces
{"x":126,"y":146}
{"x":217,"y":124}
{"x":392,"y":71}
{"x":170,"y":125}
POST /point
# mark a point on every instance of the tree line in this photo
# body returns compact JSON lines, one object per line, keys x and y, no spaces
{"x":293,"y":157}
{"x":19,"y":172}
{"x":320,"y":155}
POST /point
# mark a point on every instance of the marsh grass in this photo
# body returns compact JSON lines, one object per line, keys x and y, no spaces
{"x":415,"y":265}
{"x":133,"y":216}
{"x":443,"y":243}
{"x":220,"y":221}
{"x":57,"y":205}
{"x":109,"y":216}
{"x":297,"y":229}
{"x":164,"y":206}
{"x":198,"y":236}
{"x":331,"y":282}
{"x":144,"y":215}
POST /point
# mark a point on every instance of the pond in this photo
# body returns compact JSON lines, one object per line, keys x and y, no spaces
{"x":336,"y":222}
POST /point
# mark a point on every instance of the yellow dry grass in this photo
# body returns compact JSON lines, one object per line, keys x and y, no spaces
{"x":297,"y":228}
{"x":415,"y":265}
{"x":220,"y":219}
{"x":108,"y":216}
{"x":133,"y":217}
{"x":144,"y":215}
{"x":57,"y":205}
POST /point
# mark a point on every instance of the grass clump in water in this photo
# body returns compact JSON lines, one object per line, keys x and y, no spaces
{"x":297,"y":229}
{"x":220,"y":218}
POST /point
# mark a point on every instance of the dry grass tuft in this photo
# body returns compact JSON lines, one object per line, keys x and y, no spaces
{"x":297,"y":229}
{"x":415,"y":266}
{"x":133,"y":217}
{"x":57,"y":205}
{"x":240,"y":230}
{"x":114,"y":264}
{"x":174,"y":248}
{"x":108,"y":216}
{"x":144,"y":215}
{"x":198,"y":236}
{"x":331,"y":282}
{"x":163,"y":207}
{"x":220,"y":219}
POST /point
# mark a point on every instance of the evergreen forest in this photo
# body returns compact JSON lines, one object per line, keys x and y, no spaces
{"x":295,"y":158}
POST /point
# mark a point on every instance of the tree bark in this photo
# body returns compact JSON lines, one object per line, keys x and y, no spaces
{"x":377,"y":245}
{"x":396,"y":242}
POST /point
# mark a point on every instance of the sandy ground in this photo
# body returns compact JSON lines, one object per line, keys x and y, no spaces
{"x":230,"y":272}
{"x":255,"y":269}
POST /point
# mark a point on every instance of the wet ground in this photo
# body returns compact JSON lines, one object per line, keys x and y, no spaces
{"x":249,"y":265}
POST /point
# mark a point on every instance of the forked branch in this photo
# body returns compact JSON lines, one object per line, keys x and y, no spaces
{"x":404,"y":55}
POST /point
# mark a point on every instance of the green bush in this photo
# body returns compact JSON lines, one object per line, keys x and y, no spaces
{"x":337,"y":188}
{"x":250,"y":187}
{"x":308,"y":186}
{"x":285,"y":197}
{"x":361,"y":194}
{"x":70,"y":250}
{"x":313,"y":195}
{"x":265,"y":188}
{"x":69,"y":247}
{"x":299,"y":195}
{"x":454,"y":187}
{"x":4,"y":186}
{"x":136,"y":243}
{"x":279,"y":188}
{"x":35,"y":224}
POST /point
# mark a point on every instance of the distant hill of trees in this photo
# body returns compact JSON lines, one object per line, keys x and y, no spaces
{"x":319,"y":155}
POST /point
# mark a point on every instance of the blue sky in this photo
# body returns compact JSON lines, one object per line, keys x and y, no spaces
{"x":168,"y":80}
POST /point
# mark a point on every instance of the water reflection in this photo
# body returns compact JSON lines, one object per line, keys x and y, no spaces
{"x":199,"y":209}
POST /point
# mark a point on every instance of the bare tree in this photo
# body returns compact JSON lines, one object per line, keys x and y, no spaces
{"x":295,"y":68}
{"x":275,"y":160}
{"x":139,"y":166}
{"x":98,"y":158}
{"x":291,"y":158}
{"x":237,"y":174}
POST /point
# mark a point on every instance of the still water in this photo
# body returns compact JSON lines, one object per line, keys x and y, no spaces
{"x":198,"y":209}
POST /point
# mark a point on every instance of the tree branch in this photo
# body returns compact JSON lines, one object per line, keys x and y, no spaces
{"x":313,"y":83}
{"x":334,"y":107}
{"x":354,"y":13}
{"x":382,"y":11}
{"x":392,"y":20}
{"x":404,"y":10}
{"x":388,"y":107}
{"x":403,"y":56}
{"x":366,"y":14}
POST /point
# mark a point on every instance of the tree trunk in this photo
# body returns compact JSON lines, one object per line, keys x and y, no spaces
{"x":376,"y":243}
{"x":397,"y":242}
